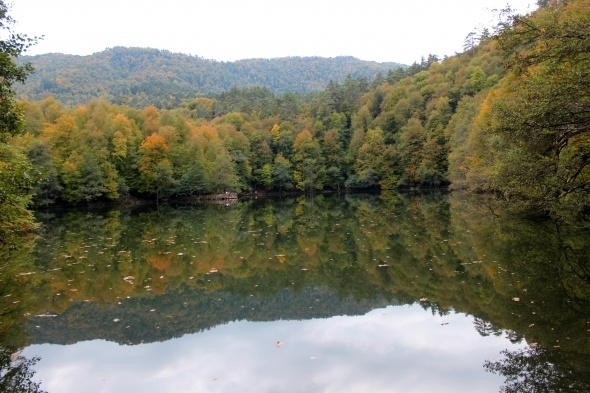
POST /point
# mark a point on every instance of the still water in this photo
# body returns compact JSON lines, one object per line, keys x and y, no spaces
{"x":357,"y":293}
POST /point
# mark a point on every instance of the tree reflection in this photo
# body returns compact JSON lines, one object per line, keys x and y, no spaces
{"x":16,"y":371}
{"x":352,"y":253}
{"x":538,"y":370}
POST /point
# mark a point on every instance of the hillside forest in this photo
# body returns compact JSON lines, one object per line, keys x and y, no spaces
{"x":509,"y":115}
{"x":140,"y":77}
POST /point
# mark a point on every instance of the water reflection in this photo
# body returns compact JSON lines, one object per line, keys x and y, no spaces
{"x":150,"y":275}
{"x":390,"y":349}
{"x":16,"y":280}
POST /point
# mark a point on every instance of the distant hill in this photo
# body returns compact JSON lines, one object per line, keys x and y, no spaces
{"x":140,"y":76}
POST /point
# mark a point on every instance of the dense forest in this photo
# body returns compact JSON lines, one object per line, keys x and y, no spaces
{"x":509,"y":115}
{"x":140,"y":77}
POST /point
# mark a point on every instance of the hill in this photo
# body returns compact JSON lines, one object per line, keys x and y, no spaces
{"x":141,"y":77}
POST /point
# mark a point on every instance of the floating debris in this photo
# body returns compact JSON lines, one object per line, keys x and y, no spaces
{"x":25,"y":274}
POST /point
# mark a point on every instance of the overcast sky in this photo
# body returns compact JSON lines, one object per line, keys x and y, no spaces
{"x":228,"y":30}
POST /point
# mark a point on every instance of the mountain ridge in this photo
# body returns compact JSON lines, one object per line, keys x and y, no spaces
{"x":141,"y":77}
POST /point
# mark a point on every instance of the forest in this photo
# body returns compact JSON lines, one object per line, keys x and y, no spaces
{"x":508,"y":116}
{"x":140,"y":77}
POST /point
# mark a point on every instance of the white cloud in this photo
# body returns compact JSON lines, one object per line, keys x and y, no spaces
{"x":403,"y":349}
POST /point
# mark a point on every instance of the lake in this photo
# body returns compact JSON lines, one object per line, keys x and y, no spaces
{"x":353,"y":293}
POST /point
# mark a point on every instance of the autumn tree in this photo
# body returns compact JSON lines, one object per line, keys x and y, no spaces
{"x":15,"y":182}
{"x":540,"y":112}
{"x":153,"y":163}
{"x":309,"y":173}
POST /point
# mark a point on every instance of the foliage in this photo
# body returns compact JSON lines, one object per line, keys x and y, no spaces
{"x":11,"y":47}
{"x":539,"y":114}
{"x":140,"y":77}
{"x":15,"y":178}
{"x":506,"y":115}
{"x":16,"y":373}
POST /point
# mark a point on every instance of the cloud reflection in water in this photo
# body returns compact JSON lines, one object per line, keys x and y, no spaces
{"x":394,"y":349}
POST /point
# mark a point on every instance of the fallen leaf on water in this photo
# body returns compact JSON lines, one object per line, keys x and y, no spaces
{"x":281,"y":258}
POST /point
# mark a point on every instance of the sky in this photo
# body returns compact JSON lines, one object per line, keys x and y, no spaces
{"x":393,"y":349}
{"x":229,"y":30}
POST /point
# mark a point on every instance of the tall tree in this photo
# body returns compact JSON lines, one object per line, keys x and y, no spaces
{"x":540,"y":113}
{"x":15,"y":182}
{"x":309,"y":164}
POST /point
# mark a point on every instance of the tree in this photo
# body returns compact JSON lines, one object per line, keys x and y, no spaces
{"x":152,"y":152}
{"x":223,"y":173}
{"x":15,"y":180}
{"x":164,"y":180}
{"x":46,"y":183}
{"x":11,"y":119}
{"x":265,"y":176}
{"x":15,"y":186}
{"x":539,"y":115}
{"x":282,"y":173}
{"x":309,"y":164}
{"x":410,"y":151}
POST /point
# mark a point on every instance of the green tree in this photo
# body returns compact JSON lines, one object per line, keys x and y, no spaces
{"x":11,"y":121}
{"x":539,"y":115}
{"x":265,"y":176}
{"x":15,"y":187}
{"x":164,"y":180}
{"x":309,"y":170}
{"x":223,"y":174}
{"x":46,"y":180}
{"x":15,"y":179}
{"x":282,"y":173}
